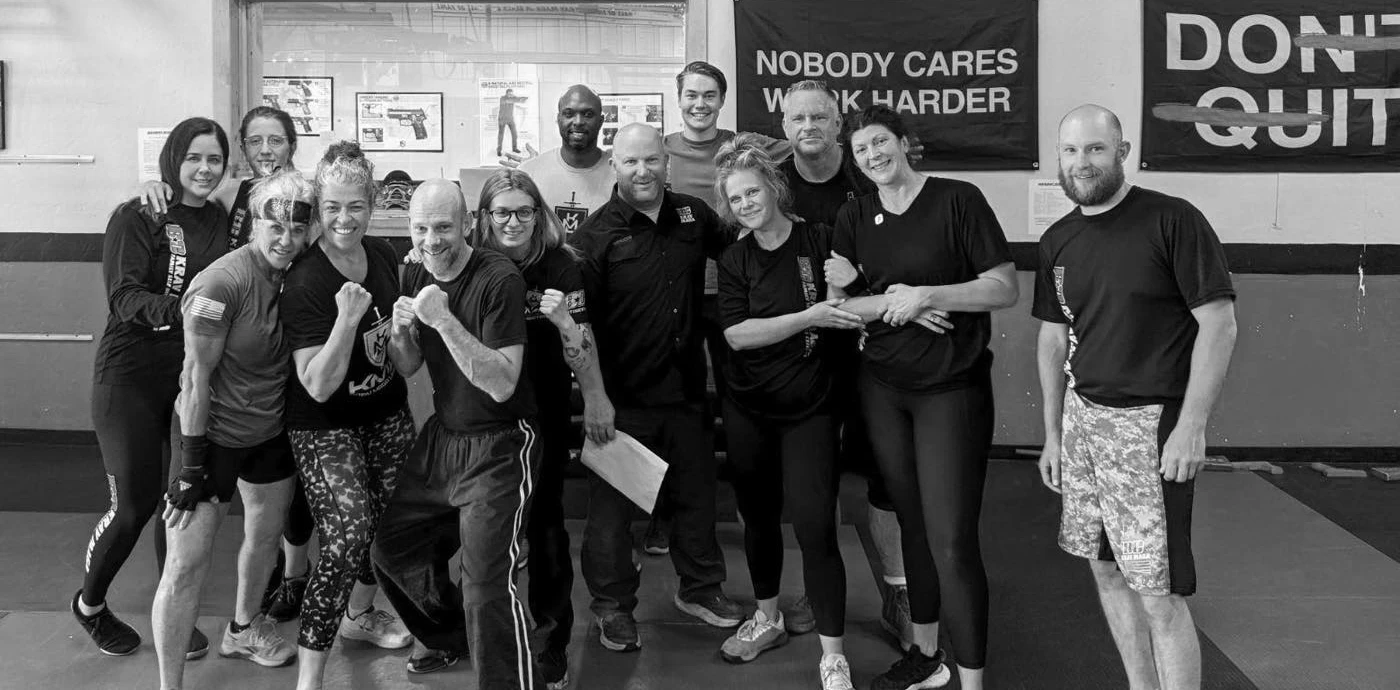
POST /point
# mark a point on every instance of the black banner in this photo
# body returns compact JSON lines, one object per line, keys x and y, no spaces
{"x":1271,"y":85}
{"x":962,"y":72}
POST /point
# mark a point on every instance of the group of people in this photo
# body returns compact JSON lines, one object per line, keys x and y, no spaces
{"x":845,"y":318}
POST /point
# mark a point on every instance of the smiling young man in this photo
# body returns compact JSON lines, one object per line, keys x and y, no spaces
{"x":470,"y":475}
{"x":1138,"y":324}
{"x":643,"y":257}
{"x":576,"y":178}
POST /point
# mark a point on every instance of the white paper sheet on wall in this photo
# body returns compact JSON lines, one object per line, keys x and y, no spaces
{"x":1047,"y":203}
{"x":149,"y":141}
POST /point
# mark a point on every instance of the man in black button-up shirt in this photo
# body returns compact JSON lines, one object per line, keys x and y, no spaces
{"x":643,"y":267}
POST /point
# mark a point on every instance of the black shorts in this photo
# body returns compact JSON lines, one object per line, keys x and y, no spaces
{"x":267,"y":462}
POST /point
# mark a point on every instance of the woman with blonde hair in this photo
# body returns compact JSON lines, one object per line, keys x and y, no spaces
{"x":513,"y":218}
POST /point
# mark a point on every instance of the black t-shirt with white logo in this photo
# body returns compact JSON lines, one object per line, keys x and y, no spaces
{"x":948,"y":235}
{"x":790,"y":379}
{"x":373,"y":388}
{"x":488,"y":298}
{"x":819,"y":202}
{"x":544,"y":354}
{"x":146,"y":266}
{"x":1126,"y":281}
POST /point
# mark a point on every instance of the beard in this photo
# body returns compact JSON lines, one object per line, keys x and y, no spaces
{"x":590,"y":140}
{"x":1099,"y":189}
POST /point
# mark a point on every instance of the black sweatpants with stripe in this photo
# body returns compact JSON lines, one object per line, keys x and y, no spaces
{"x":462,"y":501}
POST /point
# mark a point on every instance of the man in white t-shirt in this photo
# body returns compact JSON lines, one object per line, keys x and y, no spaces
{"x":576,"y":178}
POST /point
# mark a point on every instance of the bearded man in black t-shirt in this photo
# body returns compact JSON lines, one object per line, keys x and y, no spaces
{"x":1138,"y":326}
{"x":469,"y":478}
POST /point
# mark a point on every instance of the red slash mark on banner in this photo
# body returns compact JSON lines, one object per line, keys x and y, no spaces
{"x":1353,"y":43}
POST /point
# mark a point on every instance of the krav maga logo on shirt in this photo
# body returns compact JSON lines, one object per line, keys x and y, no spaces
{"x":571,"y":216}
{"x":176,"y":235}
{"x":686,"y":215}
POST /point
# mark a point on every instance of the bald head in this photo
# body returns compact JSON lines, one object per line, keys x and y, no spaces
{"x":639,"y":158}
{"x":1092,"y":119}
{"x":637,"y":137}
{"x":439,"y":195}
{"x":578,"y":93}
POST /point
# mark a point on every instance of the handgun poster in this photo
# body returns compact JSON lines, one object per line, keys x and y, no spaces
{"x":309,"y":100}
{"x":399,"y":121}
{"x":510,"y":110}
{"x":621,"y":109}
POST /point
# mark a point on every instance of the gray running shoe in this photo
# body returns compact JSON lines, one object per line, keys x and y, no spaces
{"x":756,"y":636}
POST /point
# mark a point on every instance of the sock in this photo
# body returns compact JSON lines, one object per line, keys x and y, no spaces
{"x":235,"y":628}
{"x":896,"y":581}
{"x":88,"y":610}
{"x":353,"y":614}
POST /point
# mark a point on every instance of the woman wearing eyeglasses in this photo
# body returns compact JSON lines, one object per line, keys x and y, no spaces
{"x":268,"y":138}
{"x":513,"y":219}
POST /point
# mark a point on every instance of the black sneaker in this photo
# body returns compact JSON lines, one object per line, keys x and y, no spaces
{"x":716,"y":609}
{"x":657,"y":541}
{"x":112,"y":636}
{"x":424,"y":660}
{"x":554,"y":665}
{"x":199,"y":646}
{"x":618,"y":632}
{"x":286,"y":602}
{"x":914,"y":672}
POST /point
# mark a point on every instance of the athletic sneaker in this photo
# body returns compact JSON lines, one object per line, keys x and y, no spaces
{"x":424,"y":660}
{"x":554,"y":666}
{"x":112,"y":636}
{"x":199,"y":646}
{"x":657,"y":541}
{"x":835,"y":672}
{"x":377,"y":627}
{"x":894,"y":616}
{"x":800,"y":619}
{"x":259,"y":643}
{"x":716,"y":609}
{"x":756,"y":636}
{"x":617,"y":632}
{"x":286,"y":602}
{"x":914,"y":672}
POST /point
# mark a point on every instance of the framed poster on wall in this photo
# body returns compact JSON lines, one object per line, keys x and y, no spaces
{"x":399,"y":121}
{"x":309,"y":100}
{"x":620,"y":109}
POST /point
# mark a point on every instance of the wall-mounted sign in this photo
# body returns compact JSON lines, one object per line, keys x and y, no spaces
{"x":1271,"y":85}
{"x":621,"y":109}
{"x":961,"y":72}
{"x":309,"y":100}
{"x":399,"y":121}
{"x":508,"y":107}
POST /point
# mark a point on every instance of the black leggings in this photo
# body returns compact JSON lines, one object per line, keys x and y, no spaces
{"x":792,"y":463}
{"x":133,"y":433}
{"x":932,"y":452}
{"x":349,"y":475}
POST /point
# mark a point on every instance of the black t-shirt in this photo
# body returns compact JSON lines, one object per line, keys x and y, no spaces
{"x":146,"y":266}
{"x":488,"y":297}
{"x":372,"y":389}
{"x":787,"y":380}
{"x":644,"y":281}
{"x":544,"y":354}
{"x":240,"y":222}
{"x":1126,"y":281}
{"x":819,"y":202}
{"x":948,"y":235}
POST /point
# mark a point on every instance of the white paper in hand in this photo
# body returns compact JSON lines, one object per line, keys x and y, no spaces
{"x":629,"y":467}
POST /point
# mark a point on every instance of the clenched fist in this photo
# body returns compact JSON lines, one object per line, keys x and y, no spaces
{"x":404,"y":317}
{"x":553,"y":307}
{"x":352,"y":301}
{"x":839,"y":271}
{"x":431,"y":306}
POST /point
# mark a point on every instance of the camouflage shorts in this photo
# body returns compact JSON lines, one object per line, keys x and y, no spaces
{"x":1116,"y":505}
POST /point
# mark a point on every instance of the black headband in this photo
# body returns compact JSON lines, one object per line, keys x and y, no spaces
{"x":284,"y":209}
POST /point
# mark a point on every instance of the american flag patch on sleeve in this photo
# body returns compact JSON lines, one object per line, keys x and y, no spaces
{"x":206,"y":308}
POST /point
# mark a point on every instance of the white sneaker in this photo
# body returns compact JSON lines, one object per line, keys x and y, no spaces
{"x":836,"y":673}
{"x":377,"y":627}
{"x":259,"y":643}
{"x":757,"y":635}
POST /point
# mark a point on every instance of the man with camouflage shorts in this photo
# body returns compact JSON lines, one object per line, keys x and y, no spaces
{"x":1138,"y":326}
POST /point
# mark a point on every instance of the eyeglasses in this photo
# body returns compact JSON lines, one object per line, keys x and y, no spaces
{"x":522,"y":215}
{"x":274,"y":141}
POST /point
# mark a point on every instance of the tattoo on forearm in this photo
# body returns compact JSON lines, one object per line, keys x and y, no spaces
{"x":578,"y":345}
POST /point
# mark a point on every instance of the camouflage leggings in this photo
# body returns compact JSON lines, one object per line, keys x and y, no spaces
{"x":349,"y":474}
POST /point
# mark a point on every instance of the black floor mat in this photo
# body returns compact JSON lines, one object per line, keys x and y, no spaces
{"x":1366,"y":507}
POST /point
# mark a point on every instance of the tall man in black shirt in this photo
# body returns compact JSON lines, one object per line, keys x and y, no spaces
{"x":643,"y":267}
{"x":1138,"y":323}
{"x":822,"y":177}
{"x":469,"y":477}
